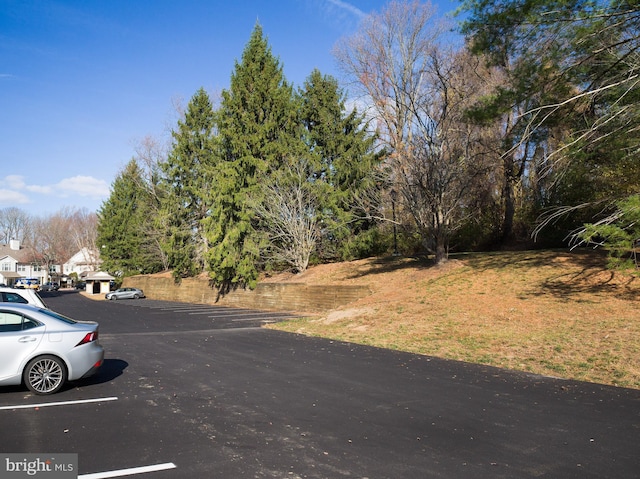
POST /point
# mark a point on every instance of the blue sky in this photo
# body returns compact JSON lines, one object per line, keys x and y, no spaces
{"x":83,"y":82}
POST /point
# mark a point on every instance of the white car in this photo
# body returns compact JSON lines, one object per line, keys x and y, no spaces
{"x":43,"y":349}
{"x":23,"y":296}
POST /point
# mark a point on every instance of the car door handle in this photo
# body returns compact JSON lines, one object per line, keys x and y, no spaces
{"x":27,"y":339}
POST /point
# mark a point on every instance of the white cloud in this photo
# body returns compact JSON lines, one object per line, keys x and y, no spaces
{"x":43,"y":190}
{"x":14,"y":182}
{"x":86,"y":186}
{"x":15,"y":190}
{"x":348,"y":7}
{"x":12,"y":198}
{"x":17,"y":182}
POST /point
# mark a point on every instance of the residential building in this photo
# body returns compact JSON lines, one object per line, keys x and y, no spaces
{"x":19,"y":263}
{"x":82,"y":262}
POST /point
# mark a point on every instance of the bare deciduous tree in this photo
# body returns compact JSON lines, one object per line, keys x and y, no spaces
{"x":418,"y":90}
{"x":15,"y":224}
{"x":446,"y":157}
{"x":50,"y":242}
{"x":387,"y":59}
{"x":53,"y":239}
{"x":83,"y":231}
{"x":150,"y":153}
{"x":289,"y":212}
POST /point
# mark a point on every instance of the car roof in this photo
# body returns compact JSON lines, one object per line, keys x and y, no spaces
{"x":18,"y":291}
{"x":19,"y":306}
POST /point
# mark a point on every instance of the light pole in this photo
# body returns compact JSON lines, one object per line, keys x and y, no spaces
{"x":394,"y":196}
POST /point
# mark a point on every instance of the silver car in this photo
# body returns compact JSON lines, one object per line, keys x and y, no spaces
{"x":125,"y":293}
{"x":43,"y":349}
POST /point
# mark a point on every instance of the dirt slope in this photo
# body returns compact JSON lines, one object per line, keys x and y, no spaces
{"x":556,"y":313}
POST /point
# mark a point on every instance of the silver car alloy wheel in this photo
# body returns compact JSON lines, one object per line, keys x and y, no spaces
{"x":45,"y":375}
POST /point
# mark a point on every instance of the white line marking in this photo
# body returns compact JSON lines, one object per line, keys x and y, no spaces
{"x":129,"y":472}
{"x":62,"y":403}
{"x":266,"y":317}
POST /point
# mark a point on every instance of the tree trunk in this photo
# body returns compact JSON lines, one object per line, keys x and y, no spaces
{"x":442,"y":253}
{"x":508,"y":199}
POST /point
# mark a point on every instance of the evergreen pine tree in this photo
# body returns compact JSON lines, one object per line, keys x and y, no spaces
{"x":257,"y":130}
{"x":123,"y":221}
{"x":345,"y":163}
{"x":187,"y":182}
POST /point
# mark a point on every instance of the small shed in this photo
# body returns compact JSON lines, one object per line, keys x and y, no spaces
{"x":98,"y":282}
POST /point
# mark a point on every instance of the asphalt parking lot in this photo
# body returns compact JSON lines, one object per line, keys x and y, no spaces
{"x":192,"y":391}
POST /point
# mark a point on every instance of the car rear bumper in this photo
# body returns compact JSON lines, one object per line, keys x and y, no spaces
{"x":93,"y":370}
{"x":85,"y":360}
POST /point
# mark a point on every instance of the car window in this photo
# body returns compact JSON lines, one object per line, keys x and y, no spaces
{"x":13,"y":298}
{"x":10,"y":321}
{"x":29,"y":323}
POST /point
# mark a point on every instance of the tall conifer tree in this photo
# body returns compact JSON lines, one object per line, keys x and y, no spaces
{"x":123,"y":221}
{"x":343,"y":152}
{"x":188,"y":182}
{"x":257,"y":129}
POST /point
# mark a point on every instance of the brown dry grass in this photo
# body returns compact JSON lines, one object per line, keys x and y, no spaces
{"x":554,"y":313}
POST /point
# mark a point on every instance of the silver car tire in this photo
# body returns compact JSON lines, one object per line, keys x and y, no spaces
{"x":45,"y":375}
{"x":113,"y":297}
{"x":136,"y":296}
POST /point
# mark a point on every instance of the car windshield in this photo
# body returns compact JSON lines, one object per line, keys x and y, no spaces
{"x":59,"y":316}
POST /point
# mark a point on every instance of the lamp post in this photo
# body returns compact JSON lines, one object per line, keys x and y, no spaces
{"x":394,"y":197}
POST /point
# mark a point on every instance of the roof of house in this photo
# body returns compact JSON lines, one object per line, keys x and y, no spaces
{"x":21,"y":255}
{"x":85,"y":256}
{"x":10,"y":274}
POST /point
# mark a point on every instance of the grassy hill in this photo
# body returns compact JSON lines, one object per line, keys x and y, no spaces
{"x":555,"y":313}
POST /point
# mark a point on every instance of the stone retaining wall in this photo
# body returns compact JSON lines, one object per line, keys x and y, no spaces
{"x":270,"y":296}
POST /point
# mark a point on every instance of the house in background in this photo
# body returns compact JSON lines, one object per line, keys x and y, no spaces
{"x":83,"y":261}
{"x":18,"y":263}
{"x":86,"y":265}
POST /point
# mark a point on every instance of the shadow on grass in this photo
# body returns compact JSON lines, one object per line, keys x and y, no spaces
{"x":483,"y":261}
{"x":523,"y":260}
{"x":591,"y":281}
{"x":390,"y":264}
{"x":560,"y":273}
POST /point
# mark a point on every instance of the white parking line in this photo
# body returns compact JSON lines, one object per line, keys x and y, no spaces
{"x":61,"y":403}
{"x":129,"y":472}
